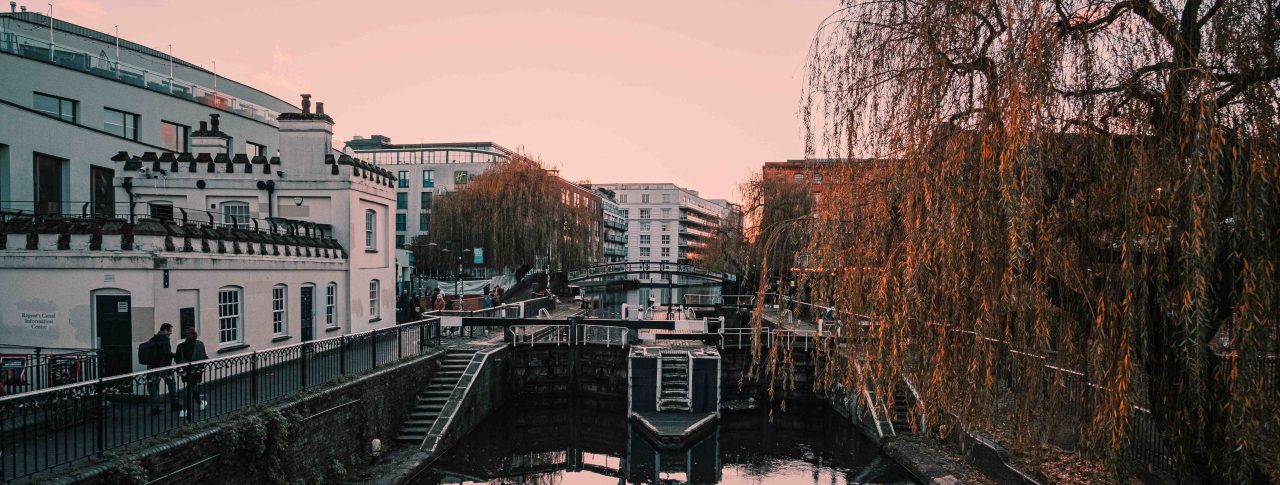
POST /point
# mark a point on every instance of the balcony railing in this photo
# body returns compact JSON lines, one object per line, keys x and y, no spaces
{"x":102,"y":66}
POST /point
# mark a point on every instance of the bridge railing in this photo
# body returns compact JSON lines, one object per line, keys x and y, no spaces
{"x":58,"y":426}
{"x":540,"y":335}
{"x":606,"y":335}
{"x":647,"y":267}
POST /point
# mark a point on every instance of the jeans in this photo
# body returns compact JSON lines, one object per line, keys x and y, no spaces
{"x":153,"y":389}
{"x":192,"y":395}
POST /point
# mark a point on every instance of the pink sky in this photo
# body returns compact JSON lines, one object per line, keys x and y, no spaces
{"x":699,"y":93}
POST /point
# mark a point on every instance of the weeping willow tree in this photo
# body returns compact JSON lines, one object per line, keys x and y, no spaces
{"x":1085,"y":184}
{"x":519,"y":212}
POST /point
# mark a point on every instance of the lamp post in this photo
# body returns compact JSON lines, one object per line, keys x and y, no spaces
{"x":457,"y":284}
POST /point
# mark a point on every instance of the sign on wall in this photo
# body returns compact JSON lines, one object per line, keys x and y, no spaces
{"x":479,"y":256}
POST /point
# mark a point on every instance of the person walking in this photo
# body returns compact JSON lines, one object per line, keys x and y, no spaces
{"x":488,"y":300}
{"x":404,"y":306}
{"x":160,"y":356}
{"x":189,"y":352}
{"x":439,"y":300}
{"x":498,"y":290}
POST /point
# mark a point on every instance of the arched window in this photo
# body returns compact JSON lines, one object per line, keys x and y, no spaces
{"x":817,"y":178}
{"x":279,"y":310}
{"x":798,"y":178}
{"x":235,"y":214}
{"x":375,"y":310}
{"x":230,"y":315}
{"x":331,"y":305}
{"x":370,"y":230}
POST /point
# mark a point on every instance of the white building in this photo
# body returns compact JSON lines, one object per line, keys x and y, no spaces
{"x":62,"y":108}
{"x":107,"y":234}
{"x":666,"y":222}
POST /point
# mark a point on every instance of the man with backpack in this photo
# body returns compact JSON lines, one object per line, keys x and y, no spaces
{"x":157,"y":353}
{"x":189,"y":352}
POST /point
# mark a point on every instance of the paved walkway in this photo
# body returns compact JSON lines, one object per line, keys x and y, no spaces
{"x":49,"y":430}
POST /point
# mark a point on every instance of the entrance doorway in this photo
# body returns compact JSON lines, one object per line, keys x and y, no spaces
{"x":112,"y":314}
{"x":48,"y":184}
{"x":308,"y":312}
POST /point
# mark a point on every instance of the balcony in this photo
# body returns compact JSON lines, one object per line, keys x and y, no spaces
{"x":101,"y":66}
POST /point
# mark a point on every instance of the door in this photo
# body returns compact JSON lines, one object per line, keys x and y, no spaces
{"x":308,"y":312}
{"x":115,"y":334}
{"x":48,"y":184}
{"x":103,"y":193}
{"x":186,"y":319}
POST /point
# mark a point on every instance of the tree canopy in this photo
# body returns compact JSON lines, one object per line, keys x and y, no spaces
{"x":1083,"y":183}
{"x":518,"y":213}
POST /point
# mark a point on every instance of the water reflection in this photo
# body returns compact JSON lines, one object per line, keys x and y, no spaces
{"x":564,"y":440}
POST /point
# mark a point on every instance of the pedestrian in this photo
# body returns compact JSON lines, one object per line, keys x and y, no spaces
{"x":488,"y":300}
{"x":499,"y":291}
{"x":158,"y":355}
{"x":404,"y":306}
{"x":189,"y":352}
{"x":439,"y":300}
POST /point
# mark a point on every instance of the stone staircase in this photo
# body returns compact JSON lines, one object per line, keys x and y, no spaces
{"x":673,"y":385}
{"x":431,"y":401}
{"x":901,"y":415}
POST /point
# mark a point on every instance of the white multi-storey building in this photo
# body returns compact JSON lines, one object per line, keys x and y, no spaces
{"x":66,"y":103}
{"x":111,"y":226}
{"x":665,"y":222}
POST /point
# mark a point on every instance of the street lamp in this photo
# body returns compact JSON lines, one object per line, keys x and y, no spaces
{"x":457,"y":284}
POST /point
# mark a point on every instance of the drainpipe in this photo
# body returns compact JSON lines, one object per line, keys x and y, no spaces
{"x":270,"y":187}
{"x":127,"y":185}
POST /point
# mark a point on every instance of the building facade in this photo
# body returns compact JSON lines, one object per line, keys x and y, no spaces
{"x":666,"y":222}
{"x":90,"y":93}
{"x":615,"y":227}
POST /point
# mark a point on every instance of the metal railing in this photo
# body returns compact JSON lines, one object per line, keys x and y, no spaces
{"x":59,"y":426}
{"x":28,"y":369}
{"x":133,"y":211}
{"x":606,"y":335}
{"x":540,"y":335}
{"x":102,"y":66}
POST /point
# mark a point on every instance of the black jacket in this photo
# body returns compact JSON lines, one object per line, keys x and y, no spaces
{"x":166,"y":351}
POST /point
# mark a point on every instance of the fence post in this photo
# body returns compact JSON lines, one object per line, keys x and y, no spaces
{"x":302,"y":360}
{"x":253,"y":377}
{"x":373,"y":345}
{"x":100,"y":421}
{"x":342,"y":355}
{"x":422,"y":336}
{"x":399,"y":342}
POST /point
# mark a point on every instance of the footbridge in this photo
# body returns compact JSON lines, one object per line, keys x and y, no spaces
{"x":646,"y":267}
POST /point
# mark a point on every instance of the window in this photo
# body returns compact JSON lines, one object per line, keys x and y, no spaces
{"x":254,"y":150}
{"x":426,"y":201}
{"x":402,"y":178}
{"x":279,"y":303}
{"x":666,"y":239}
{"x":666,"y":198}
{"x":229,"y":315}
{"x":235,"y":214}
{"x":400,"y":240}
{"x":666,"y":212}
{"x":175,"y":137}
{"x":644,"y":226}
{"x":401,"y":222}
{"x":402,"y":200}
{"x":424,"y":220}
{"x":644,"y":198}
{"x":644,"y":213}
{"x":375,"y":311}
{"x":160,"y":210}
{"x":817,"y":178}
{"x":460,"y":177}
{"x":644,"y":252}
{"x":428,"y":178}
{"x":61,"y":108}
{"x":798,"y":178}
{"x":622,"y":198}
{"x":665,"y":227}
{"x":370,"y":230}
{"x":119,"y":123}
{"x":666,"y":252}
{"x":644,"y":239}
{"x":331,"y":305}
{"x":626,"y":213}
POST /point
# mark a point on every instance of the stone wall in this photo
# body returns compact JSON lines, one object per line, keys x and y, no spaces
{"x":320,"y":434}
{"x":795,"y":382}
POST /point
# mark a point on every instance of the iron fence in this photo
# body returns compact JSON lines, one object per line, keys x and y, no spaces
{"x":540,"y":335}
{"x":27,"y":369}
{"x":606,"y":335}
{"x":59,"y":426}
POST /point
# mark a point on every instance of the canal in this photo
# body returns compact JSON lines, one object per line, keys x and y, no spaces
{"x":587,"y":440}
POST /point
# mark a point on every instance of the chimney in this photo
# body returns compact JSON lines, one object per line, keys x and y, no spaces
{"x":13,"y":7}
{"x":209,"y":139}
{"x":305,"y":138}
{"x":24,"y":8}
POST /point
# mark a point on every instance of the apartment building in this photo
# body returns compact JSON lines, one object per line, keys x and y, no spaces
{"x":666,"y":222}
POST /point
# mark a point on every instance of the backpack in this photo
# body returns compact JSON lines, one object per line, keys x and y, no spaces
{"x":148,"y":353}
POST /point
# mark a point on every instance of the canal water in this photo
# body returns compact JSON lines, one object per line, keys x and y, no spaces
{"x":585,"y":441}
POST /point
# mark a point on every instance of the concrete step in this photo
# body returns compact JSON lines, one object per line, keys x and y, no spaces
{"x":433,"y":399}
{"x":429,"y":415}
{"x":420,"y":430}
{"x":419,"y":423}
{"x":436,"y":393}
{"x":407,"y":438}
